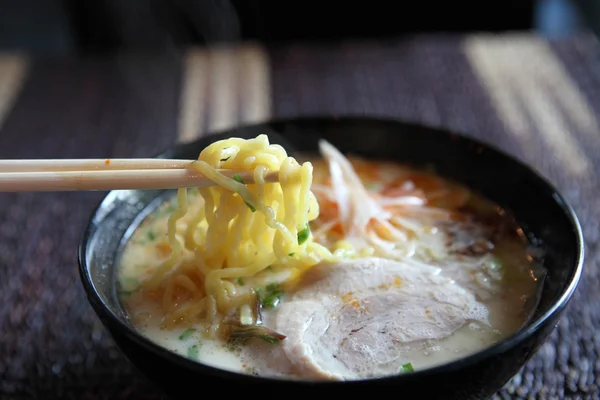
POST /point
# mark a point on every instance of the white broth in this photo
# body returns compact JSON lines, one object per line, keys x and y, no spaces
{"x":481,"y":287}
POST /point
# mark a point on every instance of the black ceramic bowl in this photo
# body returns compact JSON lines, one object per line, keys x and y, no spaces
{"x":537,"y":206}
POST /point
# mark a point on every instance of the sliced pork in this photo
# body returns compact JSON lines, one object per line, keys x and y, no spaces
{"x":362,"y":318}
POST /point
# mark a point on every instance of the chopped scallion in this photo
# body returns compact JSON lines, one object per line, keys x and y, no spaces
{"x":303,"y":234}
{"x":269,"y":339}
{"x":250,"y":206}
{"x":271,"y":301}
{"x":407,"y":368}
{"x":270,"y":296}
{"x":238,"y":178}
{"x":193,"y":352}
{"x":240,"y":281}
{"x":187,"y":333}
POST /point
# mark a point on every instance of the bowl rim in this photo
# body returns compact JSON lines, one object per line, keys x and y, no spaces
{"x":108,"y":316}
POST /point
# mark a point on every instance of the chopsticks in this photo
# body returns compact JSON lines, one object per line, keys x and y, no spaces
{"x":106,"y":174}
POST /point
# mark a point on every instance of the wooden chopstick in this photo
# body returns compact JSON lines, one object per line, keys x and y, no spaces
{"x":89,"y":164}
{"x":98,"y":174}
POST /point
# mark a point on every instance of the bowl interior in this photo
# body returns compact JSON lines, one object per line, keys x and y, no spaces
{"x":536,"y":205}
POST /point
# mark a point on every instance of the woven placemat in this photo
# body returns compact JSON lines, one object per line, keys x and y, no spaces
{"x":535,"y":99}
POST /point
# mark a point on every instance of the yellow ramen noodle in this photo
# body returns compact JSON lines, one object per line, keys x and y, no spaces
{"x":239,"y":231}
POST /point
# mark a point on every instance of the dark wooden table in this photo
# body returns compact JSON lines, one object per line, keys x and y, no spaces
{"x":535,"y":99}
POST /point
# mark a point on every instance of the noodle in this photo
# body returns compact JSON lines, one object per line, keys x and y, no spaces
{"x":239,"y":232}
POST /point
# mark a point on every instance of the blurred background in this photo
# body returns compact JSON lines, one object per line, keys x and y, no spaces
{"x":80,"y":27}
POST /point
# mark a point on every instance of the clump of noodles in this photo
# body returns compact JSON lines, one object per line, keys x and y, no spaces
{"x":240,"y":231}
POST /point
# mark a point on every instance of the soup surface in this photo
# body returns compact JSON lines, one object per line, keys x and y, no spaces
{"x":467,"y":280}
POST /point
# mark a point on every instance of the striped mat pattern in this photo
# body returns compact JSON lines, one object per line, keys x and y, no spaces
{"x":536,"y":99}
